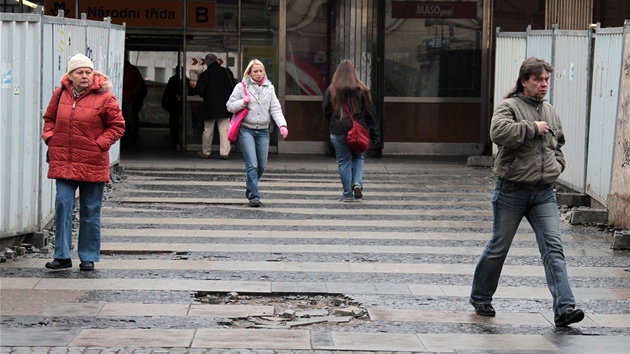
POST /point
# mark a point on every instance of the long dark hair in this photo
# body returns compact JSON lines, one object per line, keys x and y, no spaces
{"x":531,"y":66}
{"x":343,"y":90}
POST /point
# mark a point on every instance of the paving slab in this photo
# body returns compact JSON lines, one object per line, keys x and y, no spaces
{"x":29,"y":302}
{"x":131,"y":337}
{"x":394,"y":235}
{"x":231,"y":311}
{"x":371,"y":342}
{"x":284,"y":287}
{"x":622,"y":294}
{"x":351,"y":288}
{"x":260,"y":266}
{"x":611,"y":320}
{"x":340,"y":267}
{"x":18,"y":283}
{"x":422,"y":268}
{"x":312,"y":287}
{"x":135,"y":309}
{"x":37,"y":337}
{"x":505,"y":343}
{"x":252,"y":338}
{"x":96,"y":284}
{"x":73,"y":309}
{"x":213,"y":285}
{"x":590,"y":344}
{"x":426,"y":290}
{"x":326,"y":267}
{"x":506,"y":318}
{"x":392,"y":289}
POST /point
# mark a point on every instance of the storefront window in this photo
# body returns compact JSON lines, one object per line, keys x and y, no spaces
{"x":306,"y":48}
{"x":433,"y":49}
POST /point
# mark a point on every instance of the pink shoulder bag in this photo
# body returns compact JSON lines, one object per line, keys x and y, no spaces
{"x":237,"y":118}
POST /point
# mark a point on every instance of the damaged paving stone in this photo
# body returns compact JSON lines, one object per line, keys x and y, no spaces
{"x":319,"y":309}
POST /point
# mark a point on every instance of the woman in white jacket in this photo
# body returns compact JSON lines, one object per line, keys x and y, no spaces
{"x":253,"y":135}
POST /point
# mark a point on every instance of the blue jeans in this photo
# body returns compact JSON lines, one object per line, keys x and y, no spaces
{"x":90,"y":202}
{"x":254,"y":143}
{"x":510,"y":203}
{"x":350,"y":164}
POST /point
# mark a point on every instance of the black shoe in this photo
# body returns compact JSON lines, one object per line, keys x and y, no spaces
{"x":358,"y":194}
{"x":86,"y":265}
{"x":247,"y":193}
{"x":483,"y":309}
{"x":59,"y":264}
{"x":223,"y":157}
{"x":568,"y":317}
{"x":255,"y":203}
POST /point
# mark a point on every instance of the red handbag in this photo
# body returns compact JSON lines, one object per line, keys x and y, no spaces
{"x":358,"y":138}
{"x":237,"y":118}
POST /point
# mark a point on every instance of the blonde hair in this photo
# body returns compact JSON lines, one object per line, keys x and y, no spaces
{"x":253,"y":62}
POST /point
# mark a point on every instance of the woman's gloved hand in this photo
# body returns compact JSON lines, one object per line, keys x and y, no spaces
{"x":284,"y":131}
{"x":246,"y":100}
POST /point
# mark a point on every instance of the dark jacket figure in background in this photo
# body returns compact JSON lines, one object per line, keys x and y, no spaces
{"x":215,"y":86}
{"x":134,"y":92}
{"x":347,"y":89}
{"x":82,"y":121}
{"x":529,"y":134}
{"x":172,"y":100}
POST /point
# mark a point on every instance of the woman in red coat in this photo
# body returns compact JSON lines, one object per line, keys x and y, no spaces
{"x":82,"y":121}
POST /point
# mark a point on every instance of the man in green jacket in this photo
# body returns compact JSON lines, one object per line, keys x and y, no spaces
{"x":529,"y":135}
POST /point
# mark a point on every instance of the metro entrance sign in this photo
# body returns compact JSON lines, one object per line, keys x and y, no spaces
{"x":434,"y":9}
{"x":140,"y":13}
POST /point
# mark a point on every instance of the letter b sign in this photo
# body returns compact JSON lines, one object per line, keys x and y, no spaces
{"x":202,"y":14}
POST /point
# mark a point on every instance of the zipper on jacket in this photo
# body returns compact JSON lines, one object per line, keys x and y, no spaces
{"x":542,"y":146}
{"x":74,"y":104}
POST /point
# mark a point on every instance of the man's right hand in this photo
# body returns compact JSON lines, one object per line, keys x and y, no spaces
{"x":543,"y":127}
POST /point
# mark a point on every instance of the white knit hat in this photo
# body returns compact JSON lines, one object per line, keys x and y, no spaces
{"x":79,"y":61}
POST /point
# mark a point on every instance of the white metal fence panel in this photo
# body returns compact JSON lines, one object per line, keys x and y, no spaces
{"x":115,"y":69}
{"x":75,"y":38}
{"x":34,"y":50}
{"x":540,"y":44}
{"x":571,"y":101}
{"x":607,"y":62}
{"x":510,"y":52}
{"x":53,"y":47}
{"x":20,"y":57}
{"x":97,"y":44}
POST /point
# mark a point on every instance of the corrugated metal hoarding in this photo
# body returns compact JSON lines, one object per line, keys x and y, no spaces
{"x":34,"y":51}
{"x":540,"y":44}
{"x":20,"y":124}
{"x":510,"y":53}
{"x":570,"y":97}
{"x":607,"y":60}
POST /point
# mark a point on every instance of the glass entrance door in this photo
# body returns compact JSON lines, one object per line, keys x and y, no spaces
{"x":243,"y":30}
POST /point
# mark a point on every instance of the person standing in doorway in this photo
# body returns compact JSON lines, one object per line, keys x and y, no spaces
{"x":134,"y":92}
{"x":529,"y":135}
{"x":172,"y":101}
{"x":347,"y":90}
{"x":82,"y":121}
{"x":215,"y":85}
{"x":253,"y":135}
